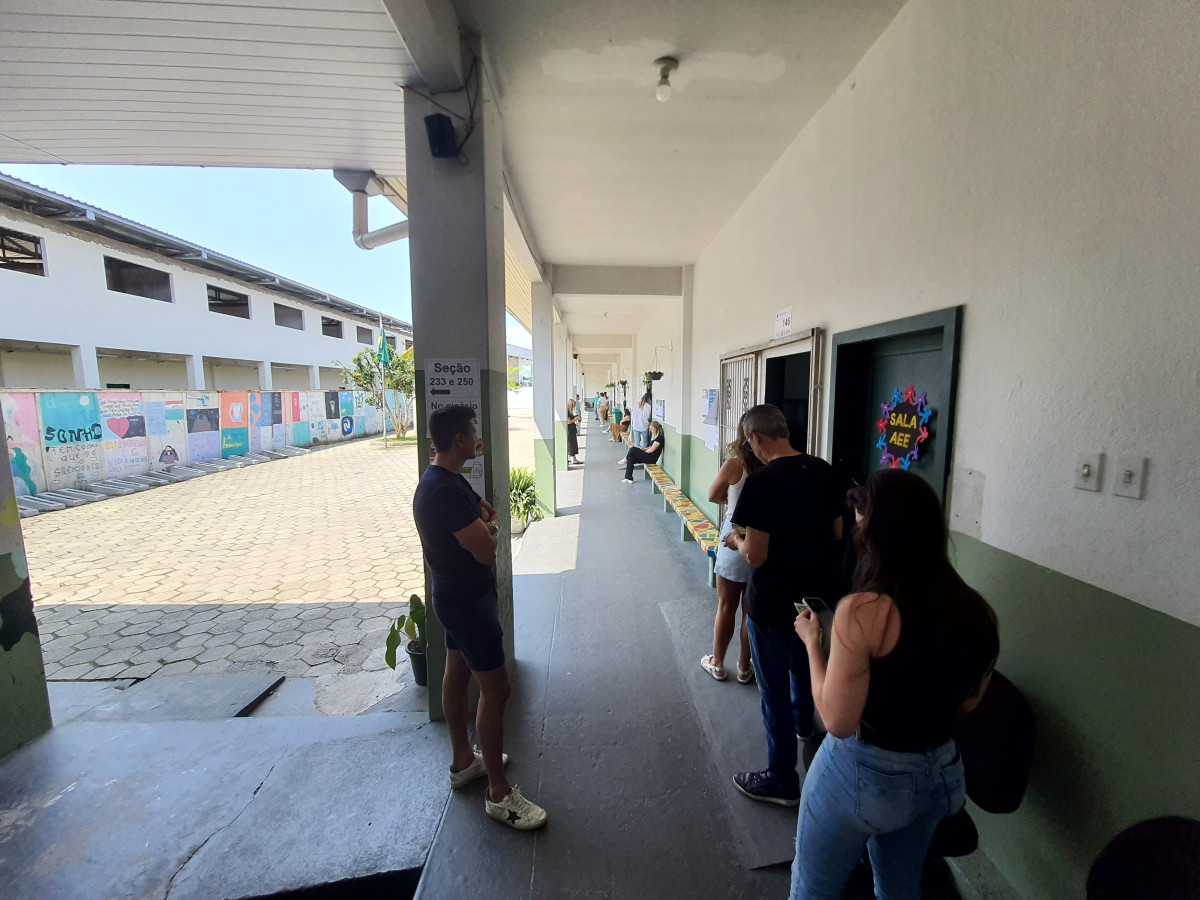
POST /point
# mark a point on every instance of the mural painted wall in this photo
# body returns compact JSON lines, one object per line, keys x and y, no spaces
{"x":166,"y":430}
{"x":21,"y":424}
{"x":72,"y":439}
{"x":66,"y":439}
{"x":123,"y":422}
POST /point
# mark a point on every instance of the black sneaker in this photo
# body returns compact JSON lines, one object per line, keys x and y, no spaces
{"x":760,"y":786}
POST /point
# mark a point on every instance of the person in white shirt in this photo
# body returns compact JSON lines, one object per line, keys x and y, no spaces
{"x":639,"y":420}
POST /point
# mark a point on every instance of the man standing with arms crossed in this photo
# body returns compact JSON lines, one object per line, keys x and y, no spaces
{"x":459,"y":533}
{"x":790,"y":516}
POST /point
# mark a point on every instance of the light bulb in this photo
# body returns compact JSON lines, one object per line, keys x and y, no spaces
{"x":663,"y":91}
{"x":664,"y":66}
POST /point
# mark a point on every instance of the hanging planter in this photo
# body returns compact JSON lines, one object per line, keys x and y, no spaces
{"x":655,"y":376}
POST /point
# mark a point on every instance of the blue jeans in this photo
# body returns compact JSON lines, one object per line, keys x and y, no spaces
{"x":785,"y":688}
{"x":859,"y":796}
{"x":641,"y":438}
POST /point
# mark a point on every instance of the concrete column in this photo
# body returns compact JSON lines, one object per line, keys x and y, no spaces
{"x":264,"y":376}
{"x":195,"y":372}
{"x":314,"y":378}
{"x":558,"y":339}
{"x":24,"y":702}
{"x":87,"y":368}
{"x":545,"y":402}
{"x":688,"y":419}
{"x":456,"y":255}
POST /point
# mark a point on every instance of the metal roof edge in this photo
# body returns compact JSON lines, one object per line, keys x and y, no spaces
{"x":47,"y":204}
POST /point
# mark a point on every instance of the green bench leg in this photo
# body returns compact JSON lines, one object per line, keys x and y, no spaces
{"x":685,"y":533}
{"x":646,"y":475}
{"x":667,"y":504}
{"x":654,"y":488}
{"x":712,"y":572}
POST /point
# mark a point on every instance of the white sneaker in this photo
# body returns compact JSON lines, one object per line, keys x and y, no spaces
{"x":515,"y":811}
{"x":463,"y":777}
{"x":622,"y":464}
{"x":627,"y":481}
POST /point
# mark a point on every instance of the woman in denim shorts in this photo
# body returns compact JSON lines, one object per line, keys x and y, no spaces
{"x":732,"y":571}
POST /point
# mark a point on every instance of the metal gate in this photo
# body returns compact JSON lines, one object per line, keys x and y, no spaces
{"x":738,"y":393}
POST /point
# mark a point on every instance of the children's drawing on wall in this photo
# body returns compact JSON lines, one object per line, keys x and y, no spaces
{"x":360,"y":425}
{"x":299,"y":402}
{"x":332,"y":405}
{"x":234,"y":442}
{"x":126,"y":449}
{"x":347,"y":426}
{"x":24,"y":442}
{"x":279,"y":436}
{"x":346,"y":402}
{"x":166,"y":430}
{"x":71,"y":439}
{"x":301,"y":434}
{"x":274,"y":402}
{"x":204,"y":430}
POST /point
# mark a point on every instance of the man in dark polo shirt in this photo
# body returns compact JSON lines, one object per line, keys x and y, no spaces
{"x":458,"y":533}
{"x":790,"y":518}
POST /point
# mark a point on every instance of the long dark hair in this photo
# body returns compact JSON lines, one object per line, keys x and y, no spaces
{"x":901,"y":544}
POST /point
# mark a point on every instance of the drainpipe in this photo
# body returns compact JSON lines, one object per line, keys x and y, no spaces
{"x":369,"y":240}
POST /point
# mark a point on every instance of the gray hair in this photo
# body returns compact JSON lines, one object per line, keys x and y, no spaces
{"x":765,"y":419}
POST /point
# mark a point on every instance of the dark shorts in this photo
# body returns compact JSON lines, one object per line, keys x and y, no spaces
{"x":473,"y":629}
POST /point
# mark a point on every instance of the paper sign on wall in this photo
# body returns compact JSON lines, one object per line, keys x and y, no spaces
{"x":456,"y":382}
{"x":783,"y":322}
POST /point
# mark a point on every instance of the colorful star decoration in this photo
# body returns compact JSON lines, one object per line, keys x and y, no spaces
{"x":908,"y":426}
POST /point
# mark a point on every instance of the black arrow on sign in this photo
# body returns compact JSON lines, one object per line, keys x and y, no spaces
{"x":435,"y":392}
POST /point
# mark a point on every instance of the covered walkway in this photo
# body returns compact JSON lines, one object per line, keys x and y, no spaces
{"x":614,"y":728}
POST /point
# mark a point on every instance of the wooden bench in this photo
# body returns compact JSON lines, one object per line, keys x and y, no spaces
{"x":694,"y":525}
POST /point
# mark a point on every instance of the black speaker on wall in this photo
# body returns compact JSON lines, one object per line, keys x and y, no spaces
{"x":440,"y":130}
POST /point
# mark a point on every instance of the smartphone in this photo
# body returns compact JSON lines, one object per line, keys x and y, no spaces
{"x":814,"y":605}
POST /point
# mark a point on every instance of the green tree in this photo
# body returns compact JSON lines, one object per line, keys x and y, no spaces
{"x":367,"y":373}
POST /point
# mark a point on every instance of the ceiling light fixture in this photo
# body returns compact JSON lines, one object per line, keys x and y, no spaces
{"x":664,"y":65}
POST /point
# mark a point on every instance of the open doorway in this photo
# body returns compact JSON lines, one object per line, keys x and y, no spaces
{"x":786,"y":384}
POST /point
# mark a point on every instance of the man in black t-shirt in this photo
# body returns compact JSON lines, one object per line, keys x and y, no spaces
{"x":459,"y":534}
{"x":787,"y":525}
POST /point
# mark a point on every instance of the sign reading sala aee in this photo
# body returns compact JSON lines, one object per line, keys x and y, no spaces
{"x":903,"y":428}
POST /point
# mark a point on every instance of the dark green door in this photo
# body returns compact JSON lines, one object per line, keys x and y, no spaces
{"x":893,"y":397}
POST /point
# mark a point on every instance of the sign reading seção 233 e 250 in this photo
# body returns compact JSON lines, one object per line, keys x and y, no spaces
{"x":456,"y":382}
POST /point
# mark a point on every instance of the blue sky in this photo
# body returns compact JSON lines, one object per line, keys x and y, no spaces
{"x":294,"y":222}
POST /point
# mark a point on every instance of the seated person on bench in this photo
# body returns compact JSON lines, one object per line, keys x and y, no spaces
{"x":650,"y":455}
{"x":620,"y":424}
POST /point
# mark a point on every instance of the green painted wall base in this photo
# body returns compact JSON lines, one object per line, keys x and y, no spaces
{"x":1114,"y":688}
{"x":560,"y":445}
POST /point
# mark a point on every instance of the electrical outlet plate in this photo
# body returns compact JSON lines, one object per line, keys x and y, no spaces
{"x":1088,"y":469}
{"x":1130,"y":477}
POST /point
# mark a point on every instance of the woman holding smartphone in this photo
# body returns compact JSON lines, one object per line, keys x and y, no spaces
{"x":912,"y":648}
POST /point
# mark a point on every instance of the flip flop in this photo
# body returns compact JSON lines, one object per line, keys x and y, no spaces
{"x":715,"y":671}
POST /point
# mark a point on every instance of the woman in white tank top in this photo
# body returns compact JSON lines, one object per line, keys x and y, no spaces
{"x":732,"y":571}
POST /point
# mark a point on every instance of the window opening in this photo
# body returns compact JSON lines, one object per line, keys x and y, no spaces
{"x":21,"y":252}
{"x":331,"y":327}
{"x":228,"y":303}
{"x":365,"y":335}
{"x":125,"y":277}
{"x":289,"y":317}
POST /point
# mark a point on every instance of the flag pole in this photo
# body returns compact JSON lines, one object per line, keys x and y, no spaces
{"x":383,"y":378}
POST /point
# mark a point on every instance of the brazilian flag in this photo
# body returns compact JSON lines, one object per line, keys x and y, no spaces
{"x":383,"y":351}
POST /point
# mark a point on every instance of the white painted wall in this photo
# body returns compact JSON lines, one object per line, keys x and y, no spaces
{"x":1039,"y":163}
{"x":144,"y":374}
{"x":664,"y":329}
{"x":24,"y":369}
{"x":72,"y":305}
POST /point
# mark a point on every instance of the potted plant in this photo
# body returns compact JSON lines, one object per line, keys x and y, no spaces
{"x":411,"y":626}
{"x":522,"y":498}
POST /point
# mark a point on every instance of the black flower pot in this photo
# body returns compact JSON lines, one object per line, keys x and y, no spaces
{"x":416,"y":659}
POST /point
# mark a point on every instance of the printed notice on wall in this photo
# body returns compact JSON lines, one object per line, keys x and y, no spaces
{"x":783,"y":322}
{"x":457,"y":382}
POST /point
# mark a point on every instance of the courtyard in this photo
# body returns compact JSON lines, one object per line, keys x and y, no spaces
{"x":295,"y":567}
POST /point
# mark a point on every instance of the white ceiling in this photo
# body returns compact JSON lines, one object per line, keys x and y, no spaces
{"x":270,"y":83}
{"x":609,"y":176}
{"x":607,"y":315}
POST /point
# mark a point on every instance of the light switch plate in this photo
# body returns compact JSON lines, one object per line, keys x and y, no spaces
{"x":1088,"y":469}
{"x":1129,"y":479}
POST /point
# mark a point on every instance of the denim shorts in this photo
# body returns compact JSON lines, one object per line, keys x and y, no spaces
{"x":730,"y":564}
{"x":473,"y":629}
